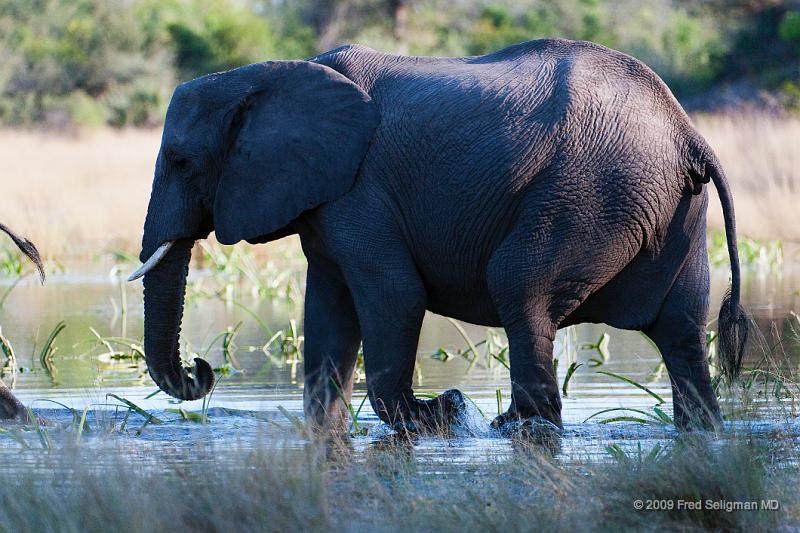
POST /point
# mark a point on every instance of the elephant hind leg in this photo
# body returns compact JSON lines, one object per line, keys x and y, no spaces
{"x":539,"y":276}
{"x":530,"y":313}
{"x":679,"y":331}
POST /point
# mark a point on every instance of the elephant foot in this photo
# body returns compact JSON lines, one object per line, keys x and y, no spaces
{"x":24,"y":419}
{"x":535,"y":430}
{"x":512,"y":426}
{"x":531,"y":435}
{"x":692,"y":412}
{"x":330,"y":422}
{"x":508,"y":427}
{"x":436,"y":416}
{"x":546,"y":410}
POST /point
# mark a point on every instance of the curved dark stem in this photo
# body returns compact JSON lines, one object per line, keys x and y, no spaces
{"x":27,"y":248}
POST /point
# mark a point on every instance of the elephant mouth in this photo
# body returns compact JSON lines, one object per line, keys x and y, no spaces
{"x":205,"y":229}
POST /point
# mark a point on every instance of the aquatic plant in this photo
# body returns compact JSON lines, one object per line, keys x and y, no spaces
{"x":754,"y":254}
{"x":228,"y":272}
{"x":570,"y":371}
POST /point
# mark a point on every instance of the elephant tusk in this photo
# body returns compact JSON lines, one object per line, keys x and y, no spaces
{"x":157,"y":256}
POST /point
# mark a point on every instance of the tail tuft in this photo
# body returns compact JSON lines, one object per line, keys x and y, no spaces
{"x":733,"y":331}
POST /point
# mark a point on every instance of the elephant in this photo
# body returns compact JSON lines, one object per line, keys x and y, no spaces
{"x":10,"y":407}
{"x":551,"y":183}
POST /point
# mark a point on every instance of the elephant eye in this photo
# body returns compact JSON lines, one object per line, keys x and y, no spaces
{"x":181,"y":164}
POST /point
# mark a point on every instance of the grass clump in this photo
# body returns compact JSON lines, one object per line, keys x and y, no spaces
{"x":383,"y":486}
{"x":699,"y":483}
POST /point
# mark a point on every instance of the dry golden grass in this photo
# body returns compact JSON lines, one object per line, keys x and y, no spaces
{"x":761,"y":157}
{"x":77,"y":194}
{"x":88,"y":193}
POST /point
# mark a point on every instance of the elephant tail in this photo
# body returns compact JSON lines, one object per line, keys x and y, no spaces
{"x":733,"y":323}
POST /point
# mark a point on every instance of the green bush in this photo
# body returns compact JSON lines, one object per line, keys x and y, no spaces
{"x":117,"y":61}
{"x":90,"y":62}
{"x":790,"y":92}
{"x":789,"y":27}
{"x":496,"y":29}
{"x":60,"y":54}
{"x":686,"y":51}
{"x":206,"y":36}
{"x":221,"y":37}
{"x":85,"y":110}
{"x":497,"y":26}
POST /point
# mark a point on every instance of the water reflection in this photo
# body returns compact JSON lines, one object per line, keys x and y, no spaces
{"x":245,"y":405}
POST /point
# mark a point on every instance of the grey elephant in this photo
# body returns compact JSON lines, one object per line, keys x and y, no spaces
{"x":10,"y":407}
{"x":550,"y":183}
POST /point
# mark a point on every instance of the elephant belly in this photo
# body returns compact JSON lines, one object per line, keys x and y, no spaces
{"x":471,"y":304}
{"x":633,"y":298}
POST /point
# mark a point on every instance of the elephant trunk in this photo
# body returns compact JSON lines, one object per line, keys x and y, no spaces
{"x":164,"y":291}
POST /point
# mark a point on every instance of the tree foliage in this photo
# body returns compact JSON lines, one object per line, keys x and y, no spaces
{"x":116,"y":61}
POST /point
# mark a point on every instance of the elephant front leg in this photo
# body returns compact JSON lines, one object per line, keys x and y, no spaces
{"x":332,"y":338}
{"x":391,"y":306}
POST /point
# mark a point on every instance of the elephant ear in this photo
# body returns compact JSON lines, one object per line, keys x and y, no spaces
{"x":295,"y":141}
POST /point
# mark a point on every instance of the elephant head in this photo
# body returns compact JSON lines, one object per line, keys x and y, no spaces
{"x":244,"y":153}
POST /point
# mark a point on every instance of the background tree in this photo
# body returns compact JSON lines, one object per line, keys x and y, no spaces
{"x":117,"y":61}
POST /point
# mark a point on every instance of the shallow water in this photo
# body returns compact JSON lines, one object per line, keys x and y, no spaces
{"x":246,"y":408}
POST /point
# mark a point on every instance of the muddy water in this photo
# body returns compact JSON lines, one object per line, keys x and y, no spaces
{"x":246,"y":407}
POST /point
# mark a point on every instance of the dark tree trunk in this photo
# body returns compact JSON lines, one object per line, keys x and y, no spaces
{"x":329,"y":22}
{"x":399,"y":13}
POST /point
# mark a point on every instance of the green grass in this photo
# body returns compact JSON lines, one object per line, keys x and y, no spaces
{"x":231,"y":272}
{"x":754,"y":254}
